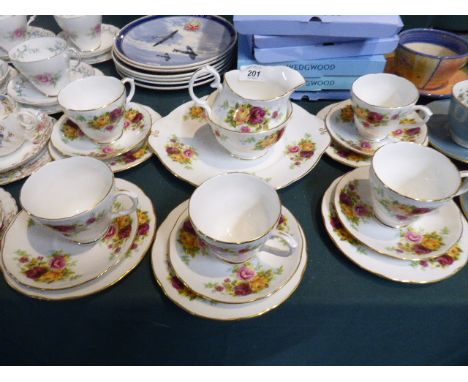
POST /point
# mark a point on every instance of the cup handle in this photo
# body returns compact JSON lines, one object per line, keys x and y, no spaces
{"x":131,"y":93}
{"x":73,"y":52}
{"x":215,"y":84}
{"x":133,"y":197}
{"x":290,"y":241}
{"x":31,"y":19}
{"x":464,"y":186}
{"x":425,"y":110}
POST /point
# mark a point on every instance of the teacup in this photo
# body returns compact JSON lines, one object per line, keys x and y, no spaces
{"x":74,"y":197}
{"x":97,"y":105}
{"x":45,"y":62}
{"x":234,"y":214}
{"x":429,"y":57}
{"x":379,"y":102}
{"x":84,"y":31}
{"x":409,"y":180}
{"x":458,"y":114}
{"x":13,"y":30}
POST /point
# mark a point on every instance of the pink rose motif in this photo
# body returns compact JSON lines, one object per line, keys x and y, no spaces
{"x":418,"y":211}
{"x":97,"y":28}
{"x":374,"y":117}
{"x":176,"y":283}
{"x":307,"y":154}
{"x":116,"y":114}
{"x":245,"y":129}
{"x":398,"y":132}
{"x":64,"y":228}
{"x":395,"y":116}
{"x":227,"y":280}
{"x":366,"y":124}
{"x":242,"y":289}
{"x":23,"y":259}
{"x":445,"y":260}
{"x":107,"y":149}
{"x":20,"y":32}
{"x":423,"y":263}
{"x":110,"y":127}
{"x":346,"y":199}
{"x":275,"y":114}
{"x":336,"y":223}
{"x":172,"y":150}
{"x":219,"y":288}
{"x":187,"y":227}
{"x":246,"y":273}
{"x":36,"y":272}
{"x":413,"y":236}
{"x":143,"y":229}
{"x":421,"y":250}
{"x":413,"y":131}
{"x":257,"y":115}
{"x":361,"y":210}
{"x":44,"y":78}
{"x":90,"y":220}
{"x":401,"y":217}
{"x":365,"y":145}
{"x":126,"y":124}
{"x":188,"y":153}
{"x":294,"y":149}
{"x":58,"y":262}
{"x":111,"y":231}
{"x":124,"y":233}
{"x":137,"y":118}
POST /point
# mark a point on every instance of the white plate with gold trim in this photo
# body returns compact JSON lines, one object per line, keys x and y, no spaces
{"x":186,"y":299}
{"x":68,"y":139}
{"x":30,"y":148}
{"x":138,"y":249}
{"x":214,"y":279}
{"x":340,"y":125}
{"x":186,"y":146}
{"x":26,"y":169}
{"x":430,"y":236}
{"x":8,"y":211}
{"x":31,"y":32}
{"x":37,"y":257}
{"x":21,"y":90}
{"x":415,"y":272}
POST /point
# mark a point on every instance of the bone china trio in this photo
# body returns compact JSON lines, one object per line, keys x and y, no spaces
{"x":232,"y":242}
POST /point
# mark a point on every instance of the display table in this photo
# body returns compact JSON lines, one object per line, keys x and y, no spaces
{"x":339,"y":315}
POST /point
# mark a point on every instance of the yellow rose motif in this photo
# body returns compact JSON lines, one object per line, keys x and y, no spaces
{"x":123,"y":221}
{"x":347,"y":210}
{"x":51,"y":276}
{"x":407,"y":121}
{"x":197,"y":112}
{"x":454,"y":252}
{"x":308,"y":146}
{"x":188,"y":240}
{"x":101,"y":121}
{"x":142,"y":217}
{"x":347,"y":113}
{"x":355,"y":157}
{"x":431,"y":243}
{"x":258,"y":283}
{"x":241,"y":115}
{"x":360,"y":112}
{"x":267,"y":142}
{"x":71,"y":132}
{"x":138,"y":154}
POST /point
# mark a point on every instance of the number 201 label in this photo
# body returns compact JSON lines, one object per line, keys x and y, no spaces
{"x":251,"y":73}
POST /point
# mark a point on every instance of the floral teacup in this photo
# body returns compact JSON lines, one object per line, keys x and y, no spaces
{"x":84,"y":31}
{"x":74,"y":197}
{"x":235,"y":214}
{"x":13,"y":30}
{"x":380,"y":101}
{"x":45,"y":62}
{"x":97,"y":105}
{"x":408,"y":180}
{"x":458,"y":114}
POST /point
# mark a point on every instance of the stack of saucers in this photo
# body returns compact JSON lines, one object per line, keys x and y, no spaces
{"x":382,"y":110}
{"x":6,"y":74}
{"x":63,"y":246}
{"x":24,"y":134}
{"x":397,"y":219}
{"x":228,"y":261}
{"x":162,"y":52}
{"x":8,"y":210}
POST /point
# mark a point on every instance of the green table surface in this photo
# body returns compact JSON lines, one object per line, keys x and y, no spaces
{"x":339,"y":315}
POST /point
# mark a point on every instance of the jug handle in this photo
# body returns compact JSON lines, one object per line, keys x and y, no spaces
{"x":207,"y":69}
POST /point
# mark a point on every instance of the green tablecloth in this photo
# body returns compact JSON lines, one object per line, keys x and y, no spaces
{"x":340,"y":314}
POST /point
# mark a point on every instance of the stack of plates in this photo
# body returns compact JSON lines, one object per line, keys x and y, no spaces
{"x":163,"y":52}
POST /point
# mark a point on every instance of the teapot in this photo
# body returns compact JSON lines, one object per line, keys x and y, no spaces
{"x":252,"y":99}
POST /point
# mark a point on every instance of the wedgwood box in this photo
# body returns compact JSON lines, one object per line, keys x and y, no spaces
{"x":322,"y":94}
{"x":350,"y":66}
{"x":374,"y":46}
{"x":303,"y":25}
{"x":265,"y":41}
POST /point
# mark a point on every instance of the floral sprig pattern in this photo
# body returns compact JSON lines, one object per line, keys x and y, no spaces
{"x":71,"y":131}
{"x":341,"y":231}
{"x":246,"y":279}
{"x":48,"y":79}
{"x":181,"y":153}
{"x":130,"y":156}
{"x":373,"y":119}
{"x":444,"y":261}
{"x":348,"y":154}
{"x":190,"y":242}
{"x":142,"y":230}
{"x":117,"y":234}
{"x":269,"y":140}
{"x":134,"y":120}
{"x":407,"y":135}
{"x":417,"y":242}
{"x":57,"y":266}
{"x":247,"y":118}
{"x":106,"y":120}
{"x":195,"y":113}
{"x":301,"y":151}
{"x":351,"y":205}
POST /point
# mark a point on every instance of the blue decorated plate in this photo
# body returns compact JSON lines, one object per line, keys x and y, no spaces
{"x":439,"y":135}
{"x":165,"y":42}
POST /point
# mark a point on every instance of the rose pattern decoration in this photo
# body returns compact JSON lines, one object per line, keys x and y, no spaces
{"x":107,"y":120}
{"x":346,"y":114}
{"x":71,"y":131}
{"x":401,"y":211}
{"x":48,"y":79}
{"x":195,"y":113}
{"x":352,"y":206}
{"x":191,"y":244}
{"x":118,"y":233}
{"x":95,"y":31}
{"x":19,"y":33}
{"x":444,"y":261}
{"x":270,"y":140}
{"x":348,"y":154}
{"x":418,"y":242}
{"x":134,"y":120}
{"x":73,"y":229}
{"x":300,"y":152}
{"x":245,"y":279}
{"x":130,"y":157}
{"x":181,"y":153}
{"x":407,"y":135}
{"x":58,"y":266}
{"x":247,"y":118}
{"x":370,"y":118}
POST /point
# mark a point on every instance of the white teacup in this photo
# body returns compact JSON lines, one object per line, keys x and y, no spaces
{"x":84,"y":31}
{"x":234,"y":214}
{"x":16,"y":128}
{"x":74,"y":197}
{"x":409,"y":180}
{"x":97,"y":105}
{"x":45,"y":62}
{"x":13,"y":30}
{"x":379,"y":102}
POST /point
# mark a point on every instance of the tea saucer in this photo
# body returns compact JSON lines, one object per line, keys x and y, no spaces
{"x":37,"y":257}
{"x":186,"y":299}
{"x":415,"y":272}
{"x":108,"y":34}
{"x":9,"y":143}
{"x":21,"y":90}
{"x":439,"y":134}
{"x":186,"y":146}
{"x":26,"y":169}
{"x":12,"y":72}
{"x":430,"y":236}
{"x":68,"y":139}
{"x":340,"y":125}
{"x":464,"y":204}
{"x":8,"y":210}
{"x":31,"y":32}
{"x":138,"y":249}
{"x":30,"y":148}
{"x":216,"y":280}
